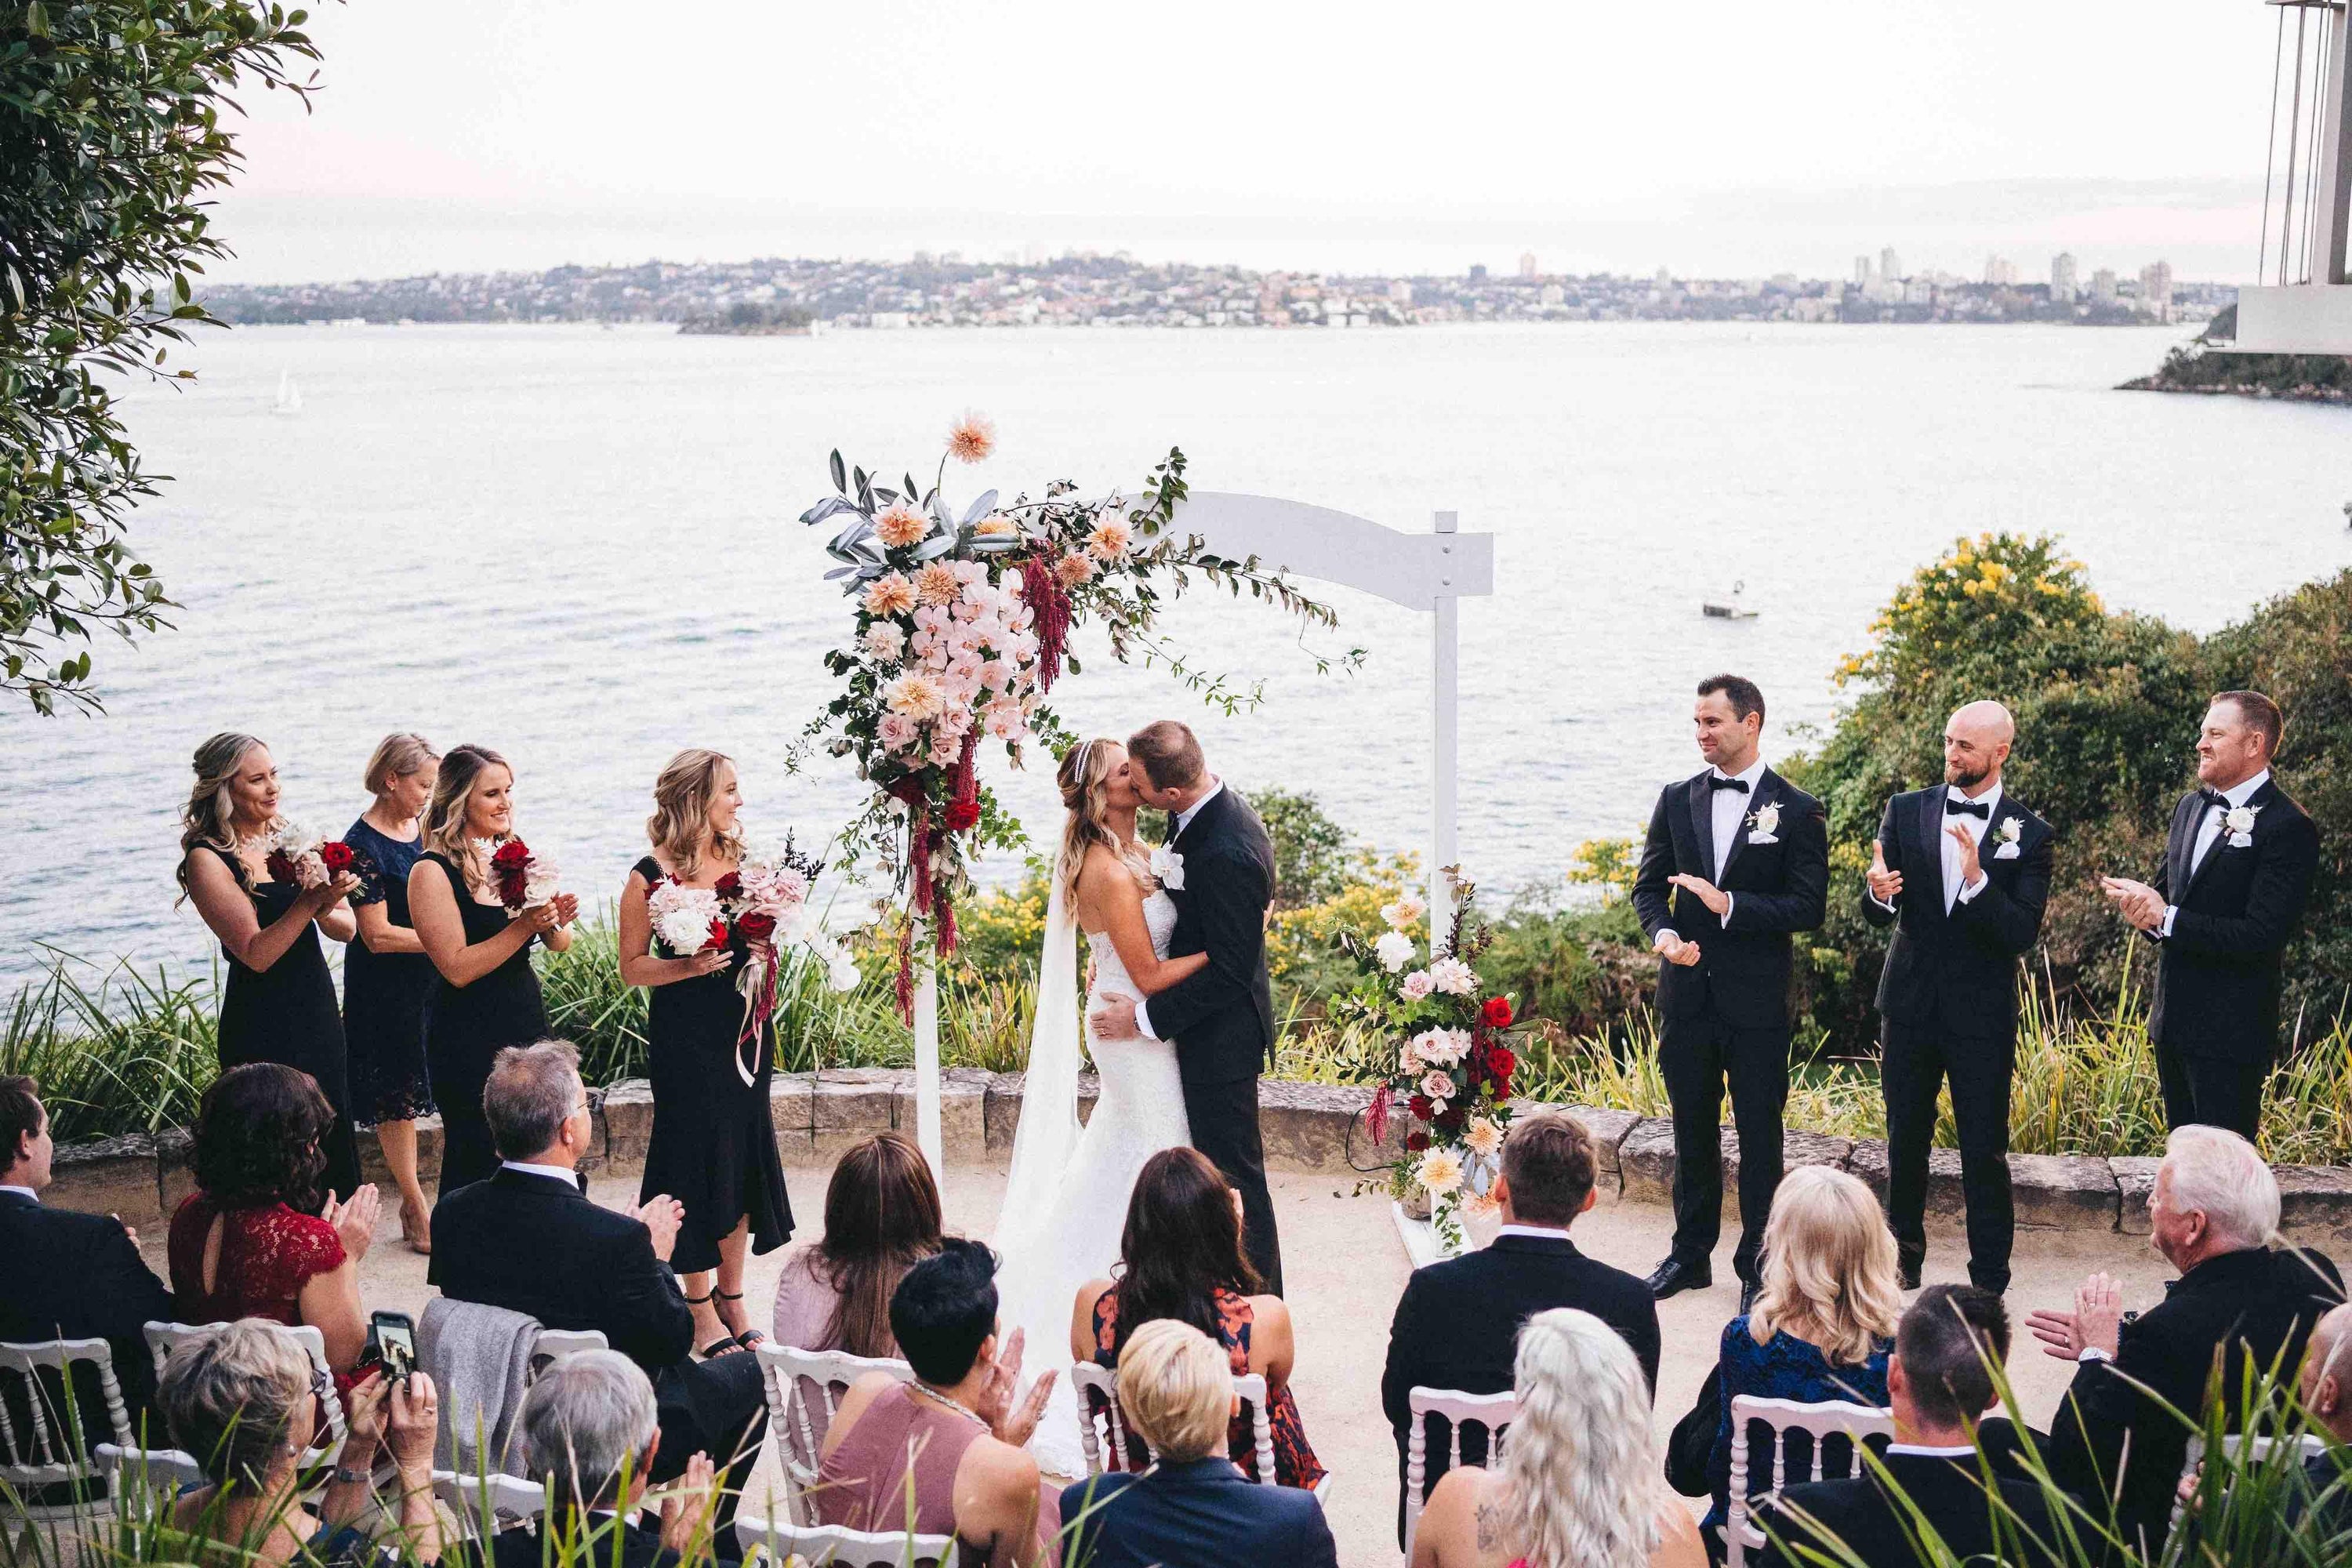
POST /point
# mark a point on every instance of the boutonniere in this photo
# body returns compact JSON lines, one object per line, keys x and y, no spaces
{"x":1169,"y":867}
{"x":2011,"y":830}
{"x":1764,"y":824}
{"x":2239,"y":822}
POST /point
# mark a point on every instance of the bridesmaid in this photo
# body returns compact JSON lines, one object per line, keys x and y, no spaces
{"x":386,"y":976}
{"x":487,"y":998}
{"x":279,"y":1005}
{"x":713,"y":1146}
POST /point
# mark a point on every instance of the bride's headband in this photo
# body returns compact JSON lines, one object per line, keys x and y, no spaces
{"x":1086,"y":756}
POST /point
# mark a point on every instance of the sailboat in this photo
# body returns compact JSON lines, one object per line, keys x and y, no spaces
{"x":290,"y":396}
{"x":1729,"y":610}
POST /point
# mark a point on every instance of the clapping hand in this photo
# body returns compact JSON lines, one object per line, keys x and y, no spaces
{"x":1675,"y":950}
{"x":2139,"y":904}
{"x":1886,"y":885}
{"x":1718,"y":901}
{"x":354,"y":1222}
{"x":1971,"y":866}
{"x":2096,"y":1324}
{"x":662,"y":1214}
{"x":1012,"y":1413}
{"x":687,"y":1502}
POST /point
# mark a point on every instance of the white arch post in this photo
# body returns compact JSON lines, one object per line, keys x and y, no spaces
{"x":1428,"y":572}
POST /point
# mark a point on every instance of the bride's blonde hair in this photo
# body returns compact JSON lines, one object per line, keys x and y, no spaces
{"x":1085,"y":778}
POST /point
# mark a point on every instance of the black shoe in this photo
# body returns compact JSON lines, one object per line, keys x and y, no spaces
{"x":1907,"y":1273}
{"x":1748,"y":1289}
{"x":1674,"y":1277}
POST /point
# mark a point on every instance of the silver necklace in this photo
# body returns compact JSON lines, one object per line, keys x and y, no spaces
{"x":928,"y":1392}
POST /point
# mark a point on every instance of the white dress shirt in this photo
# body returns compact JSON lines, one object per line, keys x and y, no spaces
{"x":2209,"y":833}
{"x":1975,"y":829}
{"x":1182,"y":820}
{"x":1727,"y":809}
{"x":569,"y":1177}
{"x":1959,"y":1451}
{"x":27,"y":1192}
{"x":1541,"y":1232}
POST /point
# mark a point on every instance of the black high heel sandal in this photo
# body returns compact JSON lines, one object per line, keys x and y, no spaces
{"x":749,"y":1338}
{"x":716,"y":1348}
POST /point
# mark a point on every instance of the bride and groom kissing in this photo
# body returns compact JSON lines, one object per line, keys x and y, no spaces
{"x":1178,"y":1012}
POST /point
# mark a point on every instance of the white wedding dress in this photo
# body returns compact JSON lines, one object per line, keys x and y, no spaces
{"x":1066,"y":1203}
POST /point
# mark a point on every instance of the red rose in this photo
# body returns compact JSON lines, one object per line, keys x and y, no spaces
{"x":1416,"y":1141}
{"x":1496,"y":1013}
{"x":729,"y":886}
{"x":1421,"y":1106}
{"x":962,"y":814}
{"x":756,"y":928}
{"x":279,"y":865}
{"x":512,"y":856}
{"x":336,"y":856}
{"x":1452,"y":1119}
{"x":1502,"y":1063}
{"x":717,"y":937}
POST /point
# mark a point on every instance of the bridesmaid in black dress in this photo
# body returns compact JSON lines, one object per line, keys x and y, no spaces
{"x":279,"y":1005}
{"x":714,"y":1145}
{"x":386,"y":976}
{"x":487,"y":998}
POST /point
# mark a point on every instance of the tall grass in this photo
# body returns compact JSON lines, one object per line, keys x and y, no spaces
{"x":115,"y":1050}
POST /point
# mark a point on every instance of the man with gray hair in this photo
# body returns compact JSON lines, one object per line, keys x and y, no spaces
{"x":592,"y":1430}
{"x":2213,"y":1212}
{"x":527,"y":1239}
{"x":2325,"y":1389}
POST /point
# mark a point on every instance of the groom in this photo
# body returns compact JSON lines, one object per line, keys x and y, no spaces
{"x":1219,"y":869}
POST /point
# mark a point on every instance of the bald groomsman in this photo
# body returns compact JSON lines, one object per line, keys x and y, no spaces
{"x":1961,"y":872}
{"x":2238,"y":866}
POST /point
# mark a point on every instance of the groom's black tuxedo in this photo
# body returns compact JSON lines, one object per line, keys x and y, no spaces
{"x":1222,"y":1017}
{"x":2215,"y":1020}
{"x":1727,"y":1017}
{"x":1948,"y":998}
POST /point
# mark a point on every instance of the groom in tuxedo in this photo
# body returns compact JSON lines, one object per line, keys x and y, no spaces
{"x":1218,"y":868}
{"x":1961,"y":871}
{"x":1735,"y":862}
{"x":2238,"y":867}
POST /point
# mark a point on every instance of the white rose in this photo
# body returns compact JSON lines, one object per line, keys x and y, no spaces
{"x":1394,"y":950}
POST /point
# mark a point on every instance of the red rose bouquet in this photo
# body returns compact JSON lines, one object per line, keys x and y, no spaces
{"x":524,"y":880}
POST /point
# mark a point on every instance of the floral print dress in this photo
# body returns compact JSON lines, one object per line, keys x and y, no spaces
{"x":1295,"y":1464}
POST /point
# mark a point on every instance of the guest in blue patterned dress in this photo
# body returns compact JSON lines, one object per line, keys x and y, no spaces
{"x":1823,"y":1326}
{"x":386,"y":976}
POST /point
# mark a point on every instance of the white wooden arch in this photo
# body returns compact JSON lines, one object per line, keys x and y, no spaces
{"x":1428,"y":572}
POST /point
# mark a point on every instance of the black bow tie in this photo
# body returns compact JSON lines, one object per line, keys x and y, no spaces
{"x":2215,"y":797}
{"x":1979,"y":809}
{"x":1717,"y":781}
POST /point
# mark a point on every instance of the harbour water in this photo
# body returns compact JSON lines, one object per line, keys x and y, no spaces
{"x":577,"y":546}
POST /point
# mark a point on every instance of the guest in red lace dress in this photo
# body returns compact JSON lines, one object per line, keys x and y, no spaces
{"x":261,"y":1236}
{"x":1180,"y":1257}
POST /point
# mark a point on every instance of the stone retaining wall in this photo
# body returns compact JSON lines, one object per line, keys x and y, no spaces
{"x":1309,"y":1127}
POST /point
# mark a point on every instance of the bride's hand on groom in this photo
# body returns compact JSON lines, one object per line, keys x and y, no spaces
{"x":1114,"y":1018}
{"x":1013,"y":1414}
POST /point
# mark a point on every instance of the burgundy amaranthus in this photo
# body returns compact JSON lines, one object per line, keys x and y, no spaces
{"x":1049,"y":603}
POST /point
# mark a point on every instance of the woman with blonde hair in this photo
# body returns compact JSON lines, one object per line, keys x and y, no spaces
{"x":1579,"y":1484}
{"x":1065,"y":1200}
{"x":713,"y":1145}
{"x":1823,"y":1323}
{"x":279,"y":1002}
{"x":487,"y":998}
{"x":386,"y":976}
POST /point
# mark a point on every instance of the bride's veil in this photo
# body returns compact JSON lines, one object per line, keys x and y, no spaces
{"x":1048,"y":1131}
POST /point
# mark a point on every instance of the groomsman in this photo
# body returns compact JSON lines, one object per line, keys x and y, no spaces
{"x":1736,"y":859}
{"x":2238,"y":866}
{"x":1961,"y":872}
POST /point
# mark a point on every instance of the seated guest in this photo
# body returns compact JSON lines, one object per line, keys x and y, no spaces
{"x":2325,"y":1389}
{"x":527,"y":1239}
{"x":261,"y":1236}
{"x":1193,"y":1508}
{"x":2212,"y":1212}
{"x":1458,"y":1319}
{"x":246,"y":1403}
{"x":951,"y":1446}
{"x":592,"y":1430}
{"x":1582,"y":1484}
{"x":1822,"y":1327}
{"x":1180,"y":1257}
{"x":1939,"y":1381}
{"x":70,"y":1275}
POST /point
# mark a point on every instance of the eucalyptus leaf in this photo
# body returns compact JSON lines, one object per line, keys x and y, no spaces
{"x":980,"y":508}
{"x":840,"y":478}
{"x":931,"y":548}
{"x":886,"y":497}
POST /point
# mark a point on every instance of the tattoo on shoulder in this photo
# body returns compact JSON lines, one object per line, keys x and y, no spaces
{"x":1490,"y":1526}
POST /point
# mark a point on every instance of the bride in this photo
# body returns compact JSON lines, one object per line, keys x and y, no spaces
{"x":1065,"y":1201}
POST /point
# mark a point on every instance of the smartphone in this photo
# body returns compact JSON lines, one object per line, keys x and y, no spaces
{"x":392,"y":1343}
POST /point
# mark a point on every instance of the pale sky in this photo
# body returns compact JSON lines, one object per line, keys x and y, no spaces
{"x":1712,"y":138}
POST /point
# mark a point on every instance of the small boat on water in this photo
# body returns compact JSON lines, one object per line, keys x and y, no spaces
{"x":1729,"y":610}
{"x":290,"y":396}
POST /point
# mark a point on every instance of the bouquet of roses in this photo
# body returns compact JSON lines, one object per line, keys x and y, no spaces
{"x":306,"y":859}
{"x":524,"y":880}
{"x":1453,"y":1062}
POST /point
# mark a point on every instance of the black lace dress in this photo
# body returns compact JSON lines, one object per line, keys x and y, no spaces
{"x":713,"y":1146}
{"x":286,"y":1014}
{"x":384,"y":993}
{"x":466,"y":1026}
